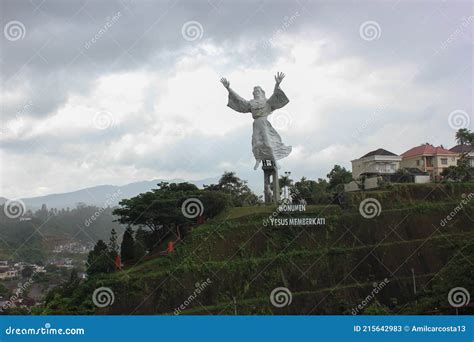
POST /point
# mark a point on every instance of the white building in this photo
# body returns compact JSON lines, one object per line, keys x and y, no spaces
{"x":376,"y":163}
{"x":8,"y":273}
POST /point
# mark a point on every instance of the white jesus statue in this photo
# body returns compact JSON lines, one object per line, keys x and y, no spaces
{"x":266,"y":142}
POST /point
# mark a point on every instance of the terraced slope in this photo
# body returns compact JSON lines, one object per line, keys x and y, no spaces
{"x":329,"y":269}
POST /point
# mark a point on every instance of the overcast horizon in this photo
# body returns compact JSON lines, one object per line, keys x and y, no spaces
{"x":115,"y":92}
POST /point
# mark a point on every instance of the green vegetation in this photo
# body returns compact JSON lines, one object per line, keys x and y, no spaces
{"x":237,"y":190}
{"x":100,"y":259}
{"x":127,"y":248}
{"x":329,"y":269}
{"x":21,"y":241}
{"x":463,"y":171}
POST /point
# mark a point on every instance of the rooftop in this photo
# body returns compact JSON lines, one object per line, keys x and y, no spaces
{"x":379,"y":152}
{"x":462,"y":148}
{"x":426,"y":150}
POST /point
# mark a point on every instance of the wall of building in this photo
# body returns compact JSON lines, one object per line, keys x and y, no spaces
{"x":352,"y":186}
{"x":412,"y":162}
{"x":375,"y":164}
{"x":436,"y":169}
{"x":422,"y":179}
{"x":371,"y":183}
{"x":438,"y":166}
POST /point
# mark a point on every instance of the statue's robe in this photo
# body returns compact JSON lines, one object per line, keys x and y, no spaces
{"x":266,"y":142}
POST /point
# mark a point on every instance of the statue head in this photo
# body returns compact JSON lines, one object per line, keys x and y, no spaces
{"x":258,"y":93}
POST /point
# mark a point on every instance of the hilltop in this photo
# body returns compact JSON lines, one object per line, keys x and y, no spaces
{"x":329,"y":269}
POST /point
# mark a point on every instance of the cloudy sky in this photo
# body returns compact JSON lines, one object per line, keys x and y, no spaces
{"x":112,"y":92}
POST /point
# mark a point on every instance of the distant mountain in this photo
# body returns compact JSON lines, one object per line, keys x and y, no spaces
{"x":102,"y":195}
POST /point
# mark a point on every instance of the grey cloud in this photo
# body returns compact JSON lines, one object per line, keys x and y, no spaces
{"x":57,"y":59}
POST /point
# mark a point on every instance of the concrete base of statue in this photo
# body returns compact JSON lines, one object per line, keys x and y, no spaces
{"x":270,"y":182}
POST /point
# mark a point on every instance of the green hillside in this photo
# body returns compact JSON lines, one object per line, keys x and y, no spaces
{"x":329,"y":269}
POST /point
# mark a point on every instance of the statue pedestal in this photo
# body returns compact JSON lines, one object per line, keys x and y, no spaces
{"x":270,"y":175}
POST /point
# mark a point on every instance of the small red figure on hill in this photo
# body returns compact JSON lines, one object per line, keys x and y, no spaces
{"x":170,"y":248}
{"x":118,"y":262}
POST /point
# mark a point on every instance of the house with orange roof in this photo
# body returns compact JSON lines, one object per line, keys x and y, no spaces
{"x":429,"y":158}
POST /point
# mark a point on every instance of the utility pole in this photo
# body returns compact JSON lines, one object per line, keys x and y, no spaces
{"x":287,"y":175}
{"x":414,"y":283}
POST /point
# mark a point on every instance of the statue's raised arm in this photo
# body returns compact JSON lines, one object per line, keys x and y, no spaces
{"x":278,"y":78}
{"x":225,"y":83}
{"x":236,"y":102}
{"x":278,"y":98}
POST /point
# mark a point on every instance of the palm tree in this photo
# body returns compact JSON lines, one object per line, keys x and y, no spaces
{"x":463,"y":136}
{"x":229,"y":178}
{"x":285,"y":182}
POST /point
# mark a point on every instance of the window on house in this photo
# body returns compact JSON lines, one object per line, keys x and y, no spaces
{"x":417,"y":163}
{"x":444,"y":161}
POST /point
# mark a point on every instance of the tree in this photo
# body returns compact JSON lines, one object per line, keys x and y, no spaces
{"x":237,"y":189}
{"x":285,"y":182}
{"x":464,"y":136}
{"x":42,"y":214}
{"x":127,"y":251}
{"x":338,"y":176}
{"x":214,"y":202}
{"x":161,"y":210}
{"x":463,"y":172}
{"x":402,"y":176}
{"x":312,"y":192}
{"x":140,"y":247}
{"x":113,"y":244}
{"x":4,"y":292}
{"x":158,"y":209}
{"x":27,"y":271}
{"x":69,"y":287}
{"x":98,"y":260}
